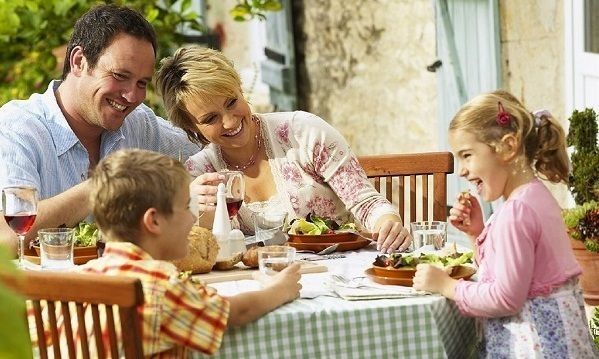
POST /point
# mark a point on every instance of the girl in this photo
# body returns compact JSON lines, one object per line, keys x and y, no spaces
{"x":528,"y":291}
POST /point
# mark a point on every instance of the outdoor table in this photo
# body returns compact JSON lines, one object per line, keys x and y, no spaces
{"x":327,"y":326}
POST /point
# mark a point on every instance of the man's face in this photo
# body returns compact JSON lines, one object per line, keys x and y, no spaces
{"x":117,"y":84}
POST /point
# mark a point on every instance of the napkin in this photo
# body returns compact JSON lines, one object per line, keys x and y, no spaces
{"x":365,"y":289}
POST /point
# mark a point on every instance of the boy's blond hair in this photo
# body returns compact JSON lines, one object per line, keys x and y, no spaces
{"x":127,"y":183}
{"x":194,"y":74}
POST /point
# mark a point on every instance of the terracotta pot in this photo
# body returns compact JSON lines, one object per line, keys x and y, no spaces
{"x":589,"y":261}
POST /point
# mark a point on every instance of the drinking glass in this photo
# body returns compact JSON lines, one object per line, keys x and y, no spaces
{"x":273,"y":259}
{"x":19,"y":204}
{"x":268,"y":227}
{"x":56,"y":245}
{"x":235,"y":187}
{"x":429,"y":233}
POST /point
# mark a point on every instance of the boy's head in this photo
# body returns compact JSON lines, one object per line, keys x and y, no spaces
{"x":138,"y":194}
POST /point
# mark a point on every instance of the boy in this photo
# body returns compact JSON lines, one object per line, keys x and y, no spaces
{"x":140,"y":200}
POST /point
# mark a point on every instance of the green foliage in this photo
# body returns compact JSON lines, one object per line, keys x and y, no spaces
{"x":32,"y":33}
{"x":15,"y":337}
{"x":250,"y":9}
{"x":594,"y":325}
{"x":582,"y":136}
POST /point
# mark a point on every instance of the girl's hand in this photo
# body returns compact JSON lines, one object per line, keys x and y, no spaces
{"x":433,"y":279}
{"x":467,"y":215}
{"x":391,"y":235}
{"x":203,"y":190}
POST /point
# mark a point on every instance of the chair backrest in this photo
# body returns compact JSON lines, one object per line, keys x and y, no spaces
{"x":405,"y":180}
{"x":78,"y":293}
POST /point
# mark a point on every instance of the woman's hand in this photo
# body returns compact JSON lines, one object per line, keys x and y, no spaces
{"x":391,"y":235}
{"x":433,"y":279}
{"x":467,"y":215}
{"x":203,"y":189}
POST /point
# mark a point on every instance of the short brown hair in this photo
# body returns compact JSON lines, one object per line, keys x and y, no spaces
{"x":127,"y":183}
{"x":543,"y":143}
{"x":194,"y":74}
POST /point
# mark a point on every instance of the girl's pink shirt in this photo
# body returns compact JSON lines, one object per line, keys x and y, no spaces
{"x":523,"y":252}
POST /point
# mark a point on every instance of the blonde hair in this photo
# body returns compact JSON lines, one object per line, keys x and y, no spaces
{"x":543,"y":143}
{"x":194,"y":74}
{"x":127,"y":183}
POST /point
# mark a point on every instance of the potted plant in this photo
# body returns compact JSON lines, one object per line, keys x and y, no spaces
{"x":582,"y":221}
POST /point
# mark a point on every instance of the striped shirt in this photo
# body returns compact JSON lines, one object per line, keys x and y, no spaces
{"x":38,"y":147}
{"x":176,"y":312}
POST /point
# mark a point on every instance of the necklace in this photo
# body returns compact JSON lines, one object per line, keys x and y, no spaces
{"x":252,"y":158}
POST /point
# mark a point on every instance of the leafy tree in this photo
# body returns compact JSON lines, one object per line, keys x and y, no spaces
{"x":33,"y":34}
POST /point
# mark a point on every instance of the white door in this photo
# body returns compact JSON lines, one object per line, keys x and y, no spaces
{"x":468,"y":50}
{"x":582,"y":54}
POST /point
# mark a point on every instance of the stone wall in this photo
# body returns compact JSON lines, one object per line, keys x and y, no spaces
{"x":362,"y":67}
{"x":533,"y":63}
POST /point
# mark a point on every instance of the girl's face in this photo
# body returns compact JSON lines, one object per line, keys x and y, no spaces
{"x":225,"y":121}
{"x":480,"y":164}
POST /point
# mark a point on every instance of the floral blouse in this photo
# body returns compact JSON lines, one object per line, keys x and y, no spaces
{"x":314,"y":171}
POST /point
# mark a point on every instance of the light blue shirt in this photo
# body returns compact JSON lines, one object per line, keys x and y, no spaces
{"x":39,"y":148}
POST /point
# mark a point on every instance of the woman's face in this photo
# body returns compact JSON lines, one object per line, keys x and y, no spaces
{"x":224,"y":121}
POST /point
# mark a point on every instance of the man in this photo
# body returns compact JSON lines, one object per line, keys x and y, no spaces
{"x":52,"y":140}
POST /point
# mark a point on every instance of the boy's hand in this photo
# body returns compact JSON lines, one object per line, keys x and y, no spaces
{"x":286,"y":282}
{"x":466,"y":215}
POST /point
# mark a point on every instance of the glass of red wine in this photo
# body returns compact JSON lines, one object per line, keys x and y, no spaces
{"x":19,"y":205}
{"x":235,"y":186}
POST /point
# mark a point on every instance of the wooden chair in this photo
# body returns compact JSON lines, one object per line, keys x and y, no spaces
{"x":405,"y":180}
{"x":77,"y":294}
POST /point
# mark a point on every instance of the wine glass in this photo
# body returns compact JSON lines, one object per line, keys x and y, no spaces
{"x":19,"y":204}
{"x":235,"y":187}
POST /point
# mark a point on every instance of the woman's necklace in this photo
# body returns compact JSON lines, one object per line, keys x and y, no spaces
{"x":252,"y":159}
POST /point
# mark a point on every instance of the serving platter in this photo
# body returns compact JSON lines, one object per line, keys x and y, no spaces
{"x":404,"y":276}
{"x":343,"y":246}
{"x":323,"y":238}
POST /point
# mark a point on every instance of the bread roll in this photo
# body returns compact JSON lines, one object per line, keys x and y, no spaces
{"x":229,"y":263}
{"x":202,"y":252}
{"x":250,"y":258}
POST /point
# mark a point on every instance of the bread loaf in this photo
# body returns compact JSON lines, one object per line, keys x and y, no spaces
{"x":202,"y":252}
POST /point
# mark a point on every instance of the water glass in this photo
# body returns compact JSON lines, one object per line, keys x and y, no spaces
{"x":273,"y":259}
{"x":429,"y":233}
{"x":56,"y":246}
{"x":269,"y":227}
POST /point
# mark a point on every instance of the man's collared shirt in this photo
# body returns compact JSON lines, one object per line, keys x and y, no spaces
{"x":38,"y":147}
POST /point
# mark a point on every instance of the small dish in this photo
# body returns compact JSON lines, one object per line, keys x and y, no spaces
{"x":343,"y":246}
{"x":77,"y":251}
{"x":404,"y":276}
{"x":78,"y":260}
{"x":81,"y":255}
{"x":323,"y":238}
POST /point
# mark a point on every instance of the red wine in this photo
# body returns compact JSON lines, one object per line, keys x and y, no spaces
{"x":233,"y":205}
{"x":21,"y":224}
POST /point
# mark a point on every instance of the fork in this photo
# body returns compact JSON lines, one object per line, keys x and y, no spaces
{"x":346,"y":282}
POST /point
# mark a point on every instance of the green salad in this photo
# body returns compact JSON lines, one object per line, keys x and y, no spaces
{"x":315,"y":225}
{"x":399,"y":260}
{"x":86,"y":234}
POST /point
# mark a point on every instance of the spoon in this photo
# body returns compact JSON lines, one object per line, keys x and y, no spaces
{"x":329,"y":249}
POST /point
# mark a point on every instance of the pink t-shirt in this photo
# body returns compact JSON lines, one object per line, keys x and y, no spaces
{"x":524,"y":252}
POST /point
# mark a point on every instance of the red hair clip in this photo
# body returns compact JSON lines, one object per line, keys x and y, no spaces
{"x":503,"y":117}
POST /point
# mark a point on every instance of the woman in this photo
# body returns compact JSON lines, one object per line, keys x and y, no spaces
{"x":290,"y":160}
